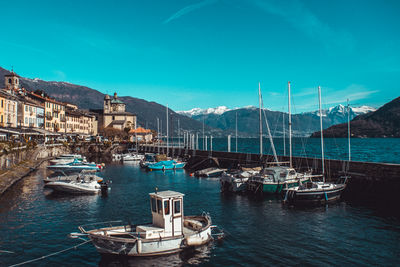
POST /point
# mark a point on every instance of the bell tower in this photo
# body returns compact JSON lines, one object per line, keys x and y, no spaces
{"x":107,"y":104}
{"x":11,"y":81}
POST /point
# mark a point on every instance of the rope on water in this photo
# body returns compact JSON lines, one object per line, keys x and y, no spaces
{"x":51,"y":254}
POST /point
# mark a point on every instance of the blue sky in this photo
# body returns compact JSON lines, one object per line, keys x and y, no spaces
{"x":213,"y":52}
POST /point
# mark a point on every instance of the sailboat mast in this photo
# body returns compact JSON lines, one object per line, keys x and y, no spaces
{"x":236,"y":135}
{"x":259,"y":100}
{"x":284,"y":137}
{"x":348,"y":128}
{"x":167,"y":132}
{"x":322,"y":135}
{"x":158,"y":135}
{"x":290,"y":128}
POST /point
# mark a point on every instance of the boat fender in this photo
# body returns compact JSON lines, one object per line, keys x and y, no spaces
{"x":139,"y":246}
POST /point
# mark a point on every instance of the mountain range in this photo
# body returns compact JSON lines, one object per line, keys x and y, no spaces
{"x":303,"y":124}
{"x":384,"y":122}
{"x":218,"y":121}
{"x":88,"y":98}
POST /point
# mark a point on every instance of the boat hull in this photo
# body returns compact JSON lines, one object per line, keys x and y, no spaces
{"x":314,"y":197}
{"x":71,"y":188}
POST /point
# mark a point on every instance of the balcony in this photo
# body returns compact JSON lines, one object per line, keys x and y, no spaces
{"x":40,"y":115}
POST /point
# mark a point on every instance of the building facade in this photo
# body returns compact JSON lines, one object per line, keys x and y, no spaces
{"x":115,"y":115}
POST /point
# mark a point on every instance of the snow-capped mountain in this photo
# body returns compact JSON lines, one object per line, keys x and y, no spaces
{"x":217,"y":111}
{"x":303,"y":124}
{"x":341,"y":111}
{"x":198,"y":111}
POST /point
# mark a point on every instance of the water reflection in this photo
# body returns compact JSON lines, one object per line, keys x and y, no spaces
{"x":193,"y":256}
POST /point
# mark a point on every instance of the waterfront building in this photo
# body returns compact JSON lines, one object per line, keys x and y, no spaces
{"x":141,"y":134}
{"x":10,"y":109}
{"x":30,"y":114}
{"x":115,"y":115}
{"x":80,"y":122}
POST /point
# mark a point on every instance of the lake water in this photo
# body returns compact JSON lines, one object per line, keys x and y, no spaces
{"x":259,"y":230}
{"x":362,"y":149}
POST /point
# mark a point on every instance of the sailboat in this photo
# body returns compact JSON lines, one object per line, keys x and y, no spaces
{"x":276,"y":178}
{"x":311,"y":193}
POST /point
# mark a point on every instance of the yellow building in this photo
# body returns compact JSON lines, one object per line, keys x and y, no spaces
{"x":54,"y":116}
{"x":10,"y":109}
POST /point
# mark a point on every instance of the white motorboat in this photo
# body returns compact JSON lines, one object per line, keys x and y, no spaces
{"x":87,"y":176}
{"x":132,"y":157}
{"x":66,"y":159}
{"x":235,"y":181}
{"x":209,"y":172}
{"x":75,"y":187}
{"x":169,"y":232}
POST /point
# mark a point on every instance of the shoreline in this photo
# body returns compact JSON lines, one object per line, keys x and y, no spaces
{"x":13,"y":175}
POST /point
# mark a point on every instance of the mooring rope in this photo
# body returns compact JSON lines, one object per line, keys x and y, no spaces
{"x":51,"y":254}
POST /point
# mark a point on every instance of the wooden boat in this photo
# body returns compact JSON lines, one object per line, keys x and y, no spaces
{"x":169,"y":232}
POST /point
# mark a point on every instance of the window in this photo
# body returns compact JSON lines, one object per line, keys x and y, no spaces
{"x":26,"y":108}
{"x":159,"y":206}
{"x":153,"y":205}
{"x":2,"y":103}
{"x":177,"y":207}
{"x":9,"y":80}
{"x":166,"y":207}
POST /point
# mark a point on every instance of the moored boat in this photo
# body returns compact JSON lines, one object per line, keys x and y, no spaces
{"x":76,"y":187}
{"x":169,"y":232}
{"x":166,"y":165}
{"x":76,"y":166}
{"x":61,"y":176}
{"x":235,"y":181}
{"x":276,"y":178}
{"x":132,"y":157}
{"x":209,"y":172}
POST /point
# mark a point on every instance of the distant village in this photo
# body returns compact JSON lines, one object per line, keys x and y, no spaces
{"x":34,"y":115}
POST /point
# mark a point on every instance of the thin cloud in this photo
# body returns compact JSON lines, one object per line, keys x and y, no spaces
{"x":189,"y":9}
{"x":303,"y":19}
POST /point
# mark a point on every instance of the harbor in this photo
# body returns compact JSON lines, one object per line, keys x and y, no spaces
{"x":200,"y":133}
{"x":257,"y":228}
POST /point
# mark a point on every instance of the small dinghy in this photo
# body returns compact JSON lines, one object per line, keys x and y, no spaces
{"x":169,"y":232}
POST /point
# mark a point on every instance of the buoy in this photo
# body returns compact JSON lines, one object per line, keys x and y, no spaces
{"x":191,"y":174}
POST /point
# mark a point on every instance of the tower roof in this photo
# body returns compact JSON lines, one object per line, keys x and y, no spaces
{"x":106,"y":97}
{"x":12,"y":74}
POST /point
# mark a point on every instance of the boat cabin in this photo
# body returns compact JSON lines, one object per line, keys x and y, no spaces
{"x":167,"y":212}
{"x":279,"y":173}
